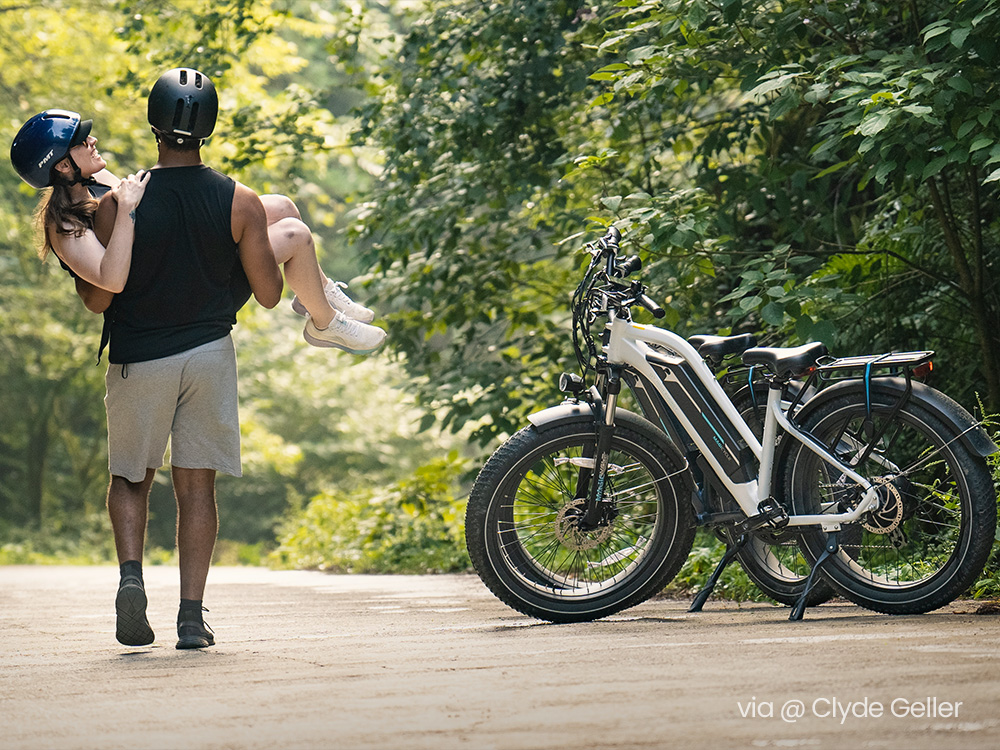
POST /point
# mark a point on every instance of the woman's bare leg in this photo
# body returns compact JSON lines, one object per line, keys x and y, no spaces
{"x":295,"y":251}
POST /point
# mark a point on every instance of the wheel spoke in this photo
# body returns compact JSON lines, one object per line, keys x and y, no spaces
{"x":913,"y":535}
{"x":543,"y":513}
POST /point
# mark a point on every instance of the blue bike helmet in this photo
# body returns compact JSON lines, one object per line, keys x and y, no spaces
{"x":183,"y":105}
{"x":43,"y":141}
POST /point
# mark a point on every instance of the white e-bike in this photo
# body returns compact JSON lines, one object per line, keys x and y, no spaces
{"x":880,"y":481}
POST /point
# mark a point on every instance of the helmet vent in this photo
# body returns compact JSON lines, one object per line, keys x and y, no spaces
{"x":178,"y":114}
{"x":192,"y":123}
{"x":183,"y":78}
{"x":197,"y":80}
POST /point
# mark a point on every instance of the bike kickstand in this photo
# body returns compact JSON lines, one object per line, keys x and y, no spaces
{"x":832,"y":547}
{"x":731,"y":551}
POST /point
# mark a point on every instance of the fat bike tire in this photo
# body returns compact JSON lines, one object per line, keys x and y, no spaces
{"x":928,"y":539}
{"x":522,"y":522}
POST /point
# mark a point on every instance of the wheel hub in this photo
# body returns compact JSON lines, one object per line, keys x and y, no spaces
{"x":886,"y":518}
{"x":570,"y":533}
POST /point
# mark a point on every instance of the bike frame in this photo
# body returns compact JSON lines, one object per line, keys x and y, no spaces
{"x":695,"y":399}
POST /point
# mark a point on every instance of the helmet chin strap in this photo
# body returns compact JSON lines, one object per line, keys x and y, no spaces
{"x":78,"y":178}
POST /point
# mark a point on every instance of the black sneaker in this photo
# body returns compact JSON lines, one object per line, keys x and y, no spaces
{"x":130,"y":604}
{"x":194,"y":634}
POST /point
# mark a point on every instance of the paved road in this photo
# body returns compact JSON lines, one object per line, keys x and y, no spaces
{"x":308,"y":660}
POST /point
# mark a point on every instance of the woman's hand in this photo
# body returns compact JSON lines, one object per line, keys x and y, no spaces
{"x":130,"y":190}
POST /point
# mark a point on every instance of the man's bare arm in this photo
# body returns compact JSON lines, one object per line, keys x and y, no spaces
{"x":249,"y":225}
{"x":96,"y":299}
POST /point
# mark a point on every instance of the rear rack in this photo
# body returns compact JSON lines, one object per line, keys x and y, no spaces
{"x":872,"y":363}
{"x":866,"y":367}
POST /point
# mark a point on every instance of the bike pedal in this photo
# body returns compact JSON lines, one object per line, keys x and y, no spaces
{"x":771,"y":513}
{"x":777,"y":516}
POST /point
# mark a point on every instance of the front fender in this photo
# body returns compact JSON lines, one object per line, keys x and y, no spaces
{"x":568,"y":412}
{"x":559,"y":414}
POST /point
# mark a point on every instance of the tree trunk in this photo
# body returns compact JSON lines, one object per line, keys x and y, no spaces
{"x":985,"y":318}
{"x":37,"y":452}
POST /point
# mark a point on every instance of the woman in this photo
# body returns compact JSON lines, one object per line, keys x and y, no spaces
{"x":54,"y":149}
{"x":57,"y":150}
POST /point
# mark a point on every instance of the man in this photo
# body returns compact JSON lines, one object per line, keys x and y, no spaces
{"x":172,"y":365}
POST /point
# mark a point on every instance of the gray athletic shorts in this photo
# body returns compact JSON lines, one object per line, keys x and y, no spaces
{"x":189,"y":397}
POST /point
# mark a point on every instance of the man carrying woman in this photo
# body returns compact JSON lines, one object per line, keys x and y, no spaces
{"x":169,"y":256}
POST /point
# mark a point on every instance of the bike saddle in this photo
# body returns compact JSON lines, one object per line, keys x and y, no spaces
{"x":717,"y":347}
{"x":786,"y":361}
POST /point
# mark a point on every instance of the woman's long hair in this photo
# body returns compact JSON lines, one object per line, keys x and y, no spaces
{"x":59,"y":212}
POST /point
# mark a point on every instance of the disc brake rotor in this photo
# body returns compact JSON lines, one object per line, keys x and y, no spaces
{"x":886,"y":518}
{"x":568,"y":530}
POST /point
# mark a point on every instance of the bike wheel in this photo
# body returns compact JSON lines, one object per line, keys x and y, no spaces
{"x":523,"y":523}
{"x":929,"y":537}
{"x":773,"y":560}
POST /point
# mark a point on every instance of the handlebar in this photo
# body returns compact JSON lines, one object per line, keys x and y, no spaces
{"x":628,"y":267}
{"x":604,"y":290}
{"x":608,"y":247}
{"x":610,"y":240}
{"x":642,"y":299}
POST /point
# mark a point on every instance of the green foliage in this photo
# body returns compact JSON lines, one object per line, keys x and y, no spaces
{"x":412,"y":526}
{"x":847,"y":150}
{"x":988,"y":585}
{"x":803,"y":171}
{"x":85,"y":540}
{"x":311,"y":421}
{"x":325,"y":423}
{"x":473,"y":124}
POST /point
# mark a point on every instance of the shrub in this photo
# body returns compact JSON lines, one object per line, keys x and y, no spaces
{"x":412,"y":526}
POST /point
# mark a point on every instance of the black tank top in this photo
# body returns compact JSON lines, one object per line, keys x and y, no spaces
{"x":186,"y":282}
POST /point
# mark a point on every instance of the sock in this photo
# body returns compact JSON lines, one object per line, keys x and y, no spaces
{"x":131,"y":568}
{"x":190,"y":610}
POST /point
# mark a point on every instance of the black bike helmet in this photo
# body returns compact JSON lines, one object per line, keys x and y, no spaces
{"x":183,"y":105}
{"x":43,"y":141}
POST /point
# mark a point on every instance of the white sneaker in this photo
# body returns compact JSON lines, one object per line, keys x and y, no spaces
{"x":343,"y":333}
{"x":339,"y":301}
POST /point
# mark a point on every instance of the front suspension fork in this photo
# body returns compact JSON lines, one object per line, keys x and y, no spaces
{"x":602,"y":450}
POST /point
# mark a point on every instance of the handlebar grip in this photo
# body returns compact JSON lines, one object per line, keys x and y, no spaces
{"x":658,"y":312}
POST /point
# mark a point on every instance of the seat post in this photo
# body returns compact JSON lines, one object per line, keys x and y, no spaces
{"x":775,"y":389}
